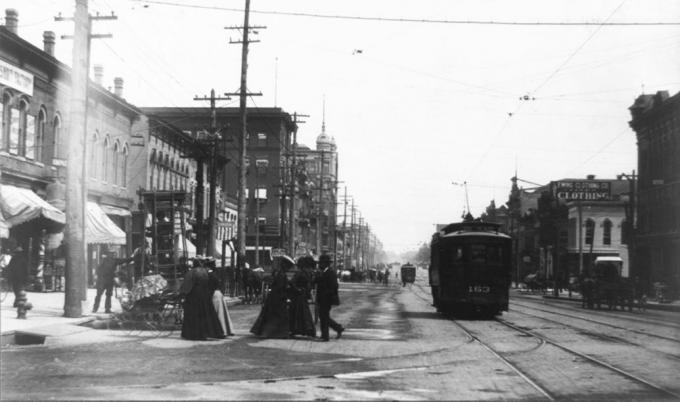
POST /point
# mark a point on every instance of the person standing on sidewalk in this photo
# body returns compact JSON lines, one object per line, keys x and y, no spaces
{"x":327,"y":296}
{"x":106,"y":271}
{"x":17,"y":272}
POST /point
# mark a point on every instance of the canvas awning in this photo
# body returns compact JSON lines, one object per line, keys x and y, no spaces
{"x":179,"y":247}
{"x":111,"y":210}
{"x":100,"y":229}
{"x":4,"y":229}
{"x":21,"y":205}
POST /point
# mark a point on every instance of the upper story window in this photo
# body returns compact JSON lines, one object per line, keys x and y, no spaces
{"x":40,"y":135}
{"x":261,"y":140}
{"x":106,"y":161}
{"x":607,"y":232}
{"x":17,"y":126}
{"x":4,"y":116}
{"x":262,"y":164}
{"x":590,"y":231}
{"x":122,"y":174}
{"x":115,"y":179}
{"x":56,"y":141}
{"x":94,"y":165}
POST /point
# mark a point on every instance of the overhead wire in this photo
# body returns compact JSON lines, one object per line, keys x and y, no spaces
{"x":415,"y":20}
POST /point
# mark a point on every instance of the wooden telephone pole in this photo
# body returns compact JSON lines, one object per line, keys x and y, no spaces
{"x":76,"y":179}
{"x":243,"y":95}
{"x":212,"y":143}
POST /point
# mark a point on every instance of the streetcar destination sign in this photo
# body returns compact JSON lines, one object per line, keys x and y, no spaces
{"x":585,"y":190}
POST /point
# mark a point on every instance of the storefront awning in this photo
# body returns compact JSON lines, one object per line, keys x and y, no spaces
{"x":111,"y":210}
{"x":179,"y":247}
{"x":4,"y":229}
{"x":21,"y":205}
{"x":100,"y":229}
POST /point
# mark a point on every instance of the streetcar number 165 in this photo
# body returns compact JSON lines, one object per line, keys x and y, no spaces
{"x":479,"y":289}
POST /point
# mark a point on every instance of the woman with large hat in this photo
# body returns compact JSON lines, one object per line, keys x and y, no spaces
{"x":273,"y":321}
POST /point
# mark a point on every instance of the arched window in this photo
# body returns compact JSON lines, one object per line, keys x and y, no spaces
{"x":27,"y":128}
{"x":56,"y":140}
{"x":106,"y":159}
{"x":94,"y":150}
{"x":590,"y":231}
{"x":115,"y":152}
{"x":40,"y":135}
{"x":17,"y":129}
{"x":607,"y":232}
{"x":625,"y":232}
{"x":122,"y":177}
{"x":5,"y":116}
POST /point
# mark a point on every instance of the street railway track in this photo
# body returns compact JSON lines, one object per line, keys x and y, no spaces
{"x":666,"y":338}
{"x":659,"y":390}
{"x":604,"y":313}
{"x":605,"y":336}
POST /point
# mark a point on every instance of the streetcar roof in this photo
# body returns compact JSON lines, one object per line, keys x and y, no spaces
{"x":465,"y":233}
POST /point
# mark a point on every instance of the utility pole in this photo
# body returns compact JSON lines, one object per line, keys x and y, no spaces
{"x":243,"y":94}
{"x":344,"y":231}
{"x":76,"y":178}
{"x":333,"y":224}
{"x":319,"y":208}
{"x":293,"y":183}
{"x":212,"y":167}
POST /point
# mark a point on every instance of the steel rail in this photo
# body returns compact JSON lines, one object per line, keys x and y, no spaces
{"x":595,"y":322}
{"x":560,"y":303}
{"x":507,"y":362}
{"x":592,"y":359}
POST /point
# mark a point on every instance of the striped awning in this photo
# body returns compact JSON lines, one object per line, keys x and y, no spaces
{"x":4,"y":229}
{"x":100,"y":229}
{"x":20,"y":205}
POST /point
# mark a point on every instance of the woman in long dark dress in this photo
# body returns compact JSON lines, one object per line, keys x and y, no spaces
{"x":300,"y":291}
{"x":273,"y":319}
{"x":200,"y":319}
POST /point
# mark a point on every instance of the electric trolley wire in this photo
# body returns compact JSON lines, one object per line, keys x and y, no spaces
{"x":416,"y":20}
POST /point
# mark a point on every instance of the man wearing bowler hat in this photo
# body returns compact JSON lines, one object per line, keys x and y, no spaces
{"x":327,"y":296}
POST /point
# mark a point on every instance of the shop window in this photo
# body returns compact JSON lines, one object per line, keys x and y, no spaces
{"x":607,"y":232}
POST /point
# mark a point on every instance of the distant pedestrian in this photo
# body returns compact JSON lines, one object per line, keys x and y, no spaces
{"x":327,"y":296}
{"x":200,"y":318}
{"x":106,"y":272}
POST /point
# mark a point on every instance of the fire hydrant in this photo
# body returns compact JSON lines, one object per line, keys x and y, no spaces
{"x":23,"y":305}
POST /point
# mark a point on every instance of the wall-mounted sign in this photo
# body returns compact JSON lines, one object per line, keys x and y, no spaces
{"x":584,"y":190}
{"x":16,"y":78}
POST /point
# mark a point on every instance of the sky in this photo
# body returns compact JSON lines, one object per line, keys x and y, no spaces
{"x":416,"y":108}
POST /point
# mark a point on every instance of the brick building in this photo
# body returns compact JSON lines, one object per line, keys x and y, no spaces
{"x":656,"y":121}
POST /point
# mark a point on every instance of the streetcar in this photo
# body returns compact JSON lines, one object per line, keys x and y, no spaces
{"x":470,"y":269}
{"x":408,"y":274}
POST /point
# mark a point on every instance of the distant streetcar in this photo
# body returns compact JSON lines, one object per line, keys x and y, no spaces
{"x":470,"y":268}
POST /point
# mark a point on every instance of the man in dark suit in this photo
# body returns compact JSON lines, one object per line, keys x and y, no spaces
{"x":106,"y":272}
{"x":326,"y":297}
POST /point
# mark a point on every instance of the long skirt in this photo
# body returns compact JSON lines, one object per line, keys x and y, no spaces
{"x":222,"y":313}
{"x":273,"y":319}
{"x":200,"y":319}
{"x":301,"y":320}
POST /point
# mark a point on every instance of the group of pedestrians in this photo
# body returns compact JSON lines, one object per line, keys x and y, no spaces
{"x":285,"y":312}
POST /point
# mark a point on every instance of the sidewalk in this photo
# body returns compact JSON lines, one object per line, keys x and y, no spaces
{"x":576,"y":298}
{"x":47,"y":316}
